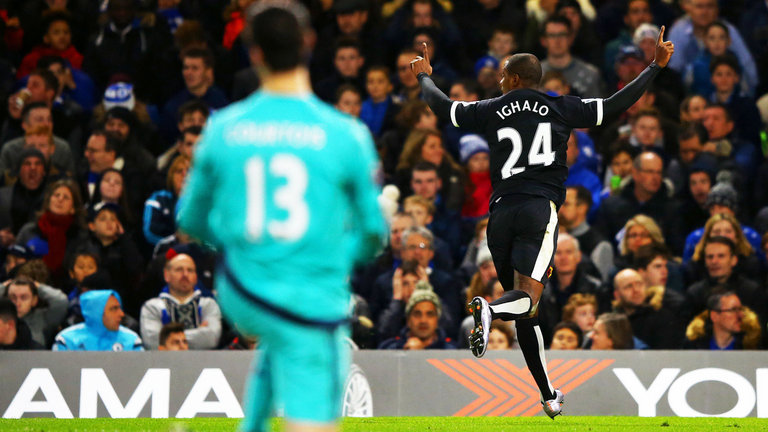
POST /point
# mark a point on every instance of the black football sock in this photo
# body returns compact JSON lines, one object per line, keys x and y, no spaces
{"x":532,"y":345}
{"x":514,"y":304}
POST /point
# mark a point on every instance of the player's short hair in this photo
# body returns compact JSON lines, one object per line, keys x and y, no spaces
{"x":729,"y":60}
{"x":583,"y":195}
{"x":170,"y":329}
{"x":526,"y":66}
{"x":619,"y":330}
{"x":645,"y":254}
{"x":277,"y":27}
{"x":690,"y":130}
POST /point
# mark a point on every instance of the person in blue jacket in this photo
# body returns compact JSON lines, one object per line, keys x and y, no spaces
{"x":101,"y":330}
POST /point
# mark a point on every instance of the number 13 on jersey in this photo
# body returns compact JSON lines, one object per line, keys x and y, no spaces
{"x":288,"y":197}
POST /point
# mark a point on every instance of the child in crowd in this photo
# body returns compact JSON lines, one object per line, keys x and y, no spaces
{"x":475,"y":156}
{"x":57,"y":41}
{"x":348,"y":100}
{"x":379,"y":109}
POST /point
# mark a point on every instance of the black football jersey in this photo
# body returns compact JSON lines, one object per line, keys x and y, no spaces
{"x":527,"y":132}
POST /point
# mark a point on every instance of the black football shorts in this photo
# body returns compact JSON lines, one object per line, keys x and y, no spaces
{"x":522,"y":236}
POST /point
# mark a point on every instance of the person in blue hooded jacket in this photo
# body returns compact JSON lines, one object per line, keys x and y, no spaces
{"x":101,"y":330}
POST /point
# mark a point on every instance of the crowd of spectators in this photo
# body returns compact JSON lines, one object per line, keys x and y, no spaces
{"x":662,"y":241}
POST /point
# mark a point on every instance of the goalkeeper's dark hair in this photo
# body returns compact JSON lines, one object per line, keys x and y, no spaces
{"x":277,"y":27}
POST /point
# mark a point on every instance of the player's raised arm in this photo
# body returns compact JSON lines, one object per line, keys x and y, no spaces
{"x":627,"y":96}
{"x":435,"y":98}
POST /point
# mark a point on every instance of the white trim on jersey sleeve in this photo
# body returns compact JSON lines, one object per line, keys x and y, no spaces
{"x":453,"y":113}
{"x":599,"y":109}
{"x":455,"y":105}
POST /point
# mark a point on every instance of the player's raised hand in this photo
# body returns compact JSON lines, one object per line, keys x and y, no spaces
{"x":664,"y":50}
{"x":421,"y":64}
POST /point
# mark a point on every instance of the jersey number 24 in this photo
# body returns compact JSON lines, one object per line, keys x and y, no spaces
{"x":290,"y":197}
{"x":540,"y":153}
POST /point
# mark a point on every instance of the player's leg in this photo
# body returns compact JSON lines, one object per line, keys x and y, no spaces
{"x":313,"y":372}
{"x":259,"y":395}
{"x":522,"y":239}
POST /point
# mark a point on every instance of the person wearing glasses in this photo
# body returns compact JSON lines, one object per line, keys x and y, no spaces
{"x":418,"y":246}
{"x":725,"y":325}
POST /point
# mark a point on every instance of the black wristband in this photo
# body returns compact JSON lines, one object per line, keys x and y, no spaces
{"x":421,"y":75}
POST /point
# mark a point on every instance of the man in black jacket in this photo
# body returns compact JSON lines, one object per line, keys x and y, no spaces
{"x":720,"y":258}
{"x":14,"y":333}
{"x":658,"y":328}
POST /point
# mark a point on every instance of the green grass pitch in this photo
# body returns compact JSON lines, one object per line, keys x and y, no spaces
{"x":409,"y":424}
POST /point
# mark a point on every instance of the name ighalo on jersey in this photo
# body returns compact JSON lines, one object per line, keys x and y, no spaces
{"x":514,"y":106}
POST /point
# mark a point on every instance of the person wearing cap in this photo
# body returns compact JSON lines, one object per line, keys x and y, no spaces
{"x":630,"y":61}
{"x":418,"y":245}
{"x":557,"y":37}
{"x":722,"y":198}
{"x":404,"y":281}
{"x":569,"y":277}
{"x":20,"y":201}
{"x":636,"y":13}
{"x":101,"y":330}
{"x":421,"y":331}
{"x":474,"y":153}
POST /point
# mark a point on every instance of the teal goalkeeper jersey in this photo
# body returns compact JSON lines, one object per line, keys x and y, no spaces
{"x":284,"y":187}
